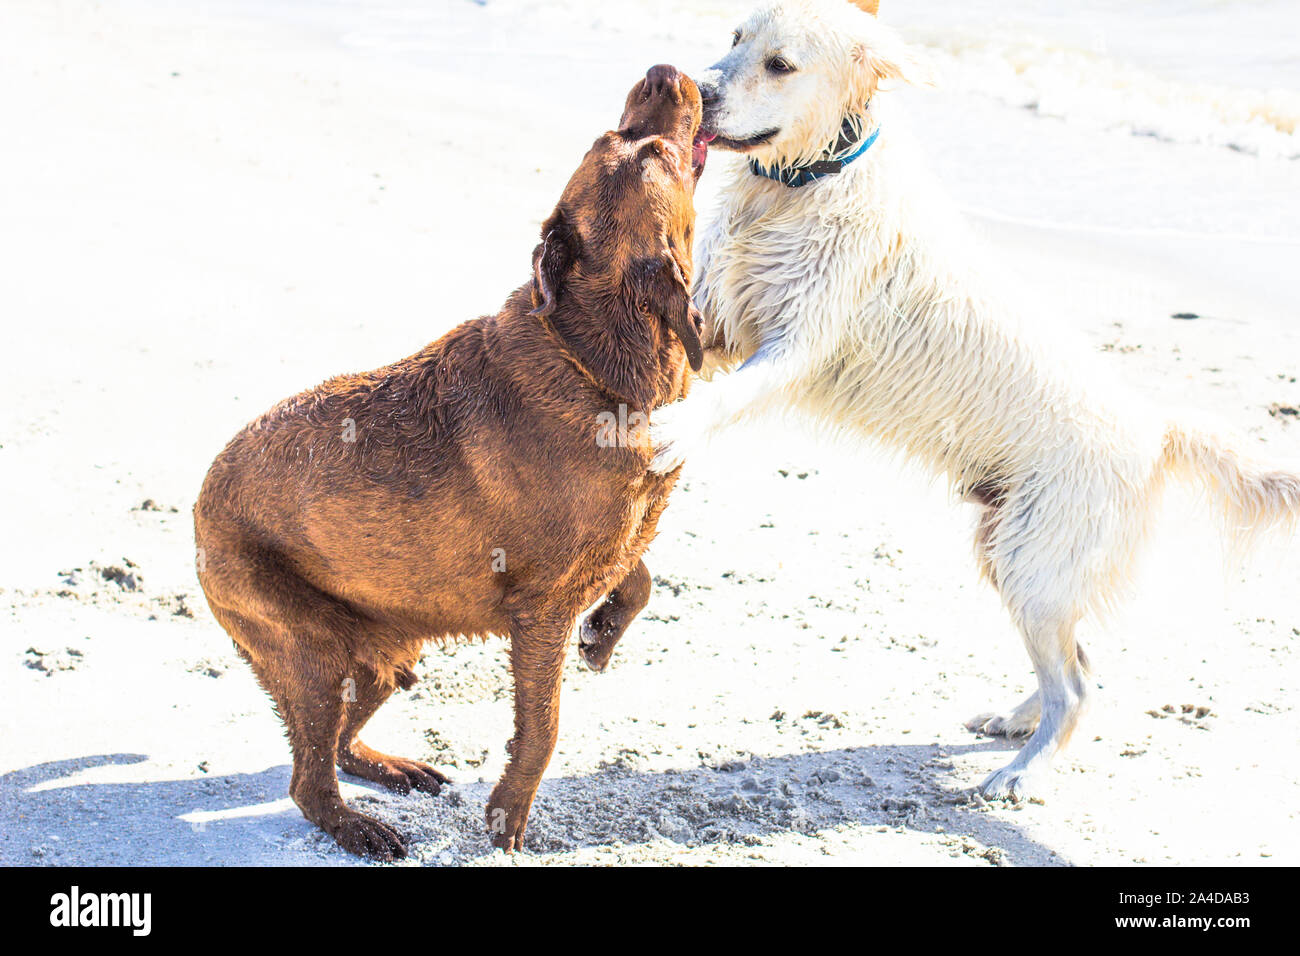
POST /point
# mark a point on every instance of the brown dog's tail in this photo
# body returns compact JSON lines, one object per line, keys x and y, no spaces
{"x":1254,"y":497}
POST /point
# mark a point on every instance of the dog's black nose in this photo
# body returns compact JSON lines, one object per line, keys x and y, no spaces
{"x":710,"y":95}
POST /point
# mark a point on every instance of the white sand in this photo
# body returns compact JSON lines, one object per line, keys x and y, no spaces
{"x":201,"y":213}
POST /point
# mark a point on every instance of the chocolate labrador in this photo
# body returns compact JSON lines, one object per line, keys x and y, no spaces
{"x":493,"y":483}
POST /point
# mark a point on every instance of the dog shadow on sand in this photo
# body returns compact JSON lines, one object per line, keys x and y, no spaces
{"x":49,"y":816}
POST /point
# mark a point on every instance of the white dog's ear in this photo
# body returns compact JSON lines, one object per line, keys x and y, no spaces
{"x":890,"y":61}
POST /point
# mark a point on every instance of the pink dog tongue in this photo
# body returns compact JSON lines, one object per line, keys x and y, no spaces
{"x":700,"y":148}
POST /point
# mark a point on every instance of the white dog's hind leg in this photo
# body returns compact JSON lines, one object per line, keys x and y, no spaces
{"x":1021,"y":722}
{"x":1061,"y":698}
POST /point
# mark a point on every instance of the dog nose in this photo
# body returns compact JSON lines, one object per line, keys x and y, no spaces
{"x":706,"y":82}
{"x":662,"y":79}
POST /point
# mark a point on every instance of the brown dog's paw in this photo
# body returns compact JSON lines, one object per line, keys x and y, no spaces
{"x":509,"y":841}
{"x":506,"y":823}
{"x":366,"y":836}
{"x":408,"y":775}
{"x":599,"y":635}
{"x":395,"y":773}
{"x":405,"y":678}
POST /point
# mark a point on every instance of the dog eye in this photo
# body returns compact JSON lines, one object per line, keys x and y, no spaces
{"x":735,"y":38}
{"x":779,"y":64}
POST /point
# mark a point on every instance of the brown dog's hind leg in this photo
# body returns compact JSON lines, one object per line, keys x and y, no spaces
{"x":354,"y":757}
{"x":295,"y":638}
{"x":313,"y":715}
{"x":313,"y":712}
{"x":537,"y":662}
{"x":604,"y":627}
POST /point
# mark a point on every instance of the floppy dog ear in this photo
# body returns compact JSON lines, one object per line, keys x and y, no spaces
{"x":869,"y":6}
{"x":621,"y":353}
{"x":661,"y":290}
{"x":552,"y":259}
{"x":888,"y":58}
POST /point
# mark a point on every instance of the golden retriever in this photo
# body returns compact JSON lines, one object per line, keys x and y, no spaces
{"x":843,"y":288}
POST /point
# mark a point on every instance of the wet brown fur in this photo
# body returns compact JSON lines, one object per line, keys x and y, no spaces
{"x":463,"y":492}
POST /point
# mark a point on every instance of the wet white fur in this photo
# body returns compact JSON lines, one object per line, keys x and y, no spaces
{"x":862,"y":301}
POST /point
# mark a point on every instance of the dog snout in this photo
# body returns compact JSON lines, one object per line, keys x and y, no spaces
{"x":663,"y":103}
{"x":709,"y":83}
{"x":663,"y":79}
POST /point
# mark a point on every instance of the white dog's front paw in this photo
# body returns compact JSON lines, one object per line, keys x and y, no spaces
{"x":1010,"y":783}
{"x":673,"y":434}
{"x":668,"y":455}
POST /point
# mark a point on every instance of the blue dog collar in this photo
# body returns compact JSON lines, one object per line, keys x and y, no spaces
{"x":795,"y":176}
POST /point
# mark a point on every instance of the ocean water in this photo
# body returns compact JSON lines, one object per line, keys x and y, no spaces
{"x":1214,"y":72}
{"x":1178,"y":116}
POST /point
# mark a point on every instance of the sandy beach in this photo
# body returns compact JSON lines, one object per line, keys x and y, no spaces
{"x":207,"y":207}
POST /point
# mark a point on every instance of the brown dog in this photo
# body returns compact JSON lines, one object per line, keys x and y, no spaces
{"x":474,"y":488}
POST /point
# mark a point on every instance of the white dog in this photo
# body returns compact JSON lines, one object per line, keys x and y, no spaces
{"x":847,"y":292}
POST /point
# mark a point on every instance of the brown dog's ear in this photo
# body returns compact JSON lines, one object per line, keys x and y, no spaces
{"x":661,"y":290}
{"x":870,"y":6}
{"x":552,"y":259}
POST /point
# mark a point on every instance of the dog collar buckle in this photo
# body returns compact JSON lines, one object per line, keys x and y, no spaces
{"x":825,"y":167}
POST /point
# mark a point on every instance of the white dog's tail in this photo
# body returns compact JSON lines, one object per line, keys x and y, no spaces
{"x":1254,"y":497}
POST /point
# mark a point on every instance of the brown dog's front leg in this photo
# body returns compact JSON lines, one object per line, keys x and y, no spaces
{"x":537,"y":661}
{"x":604,"y":627}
